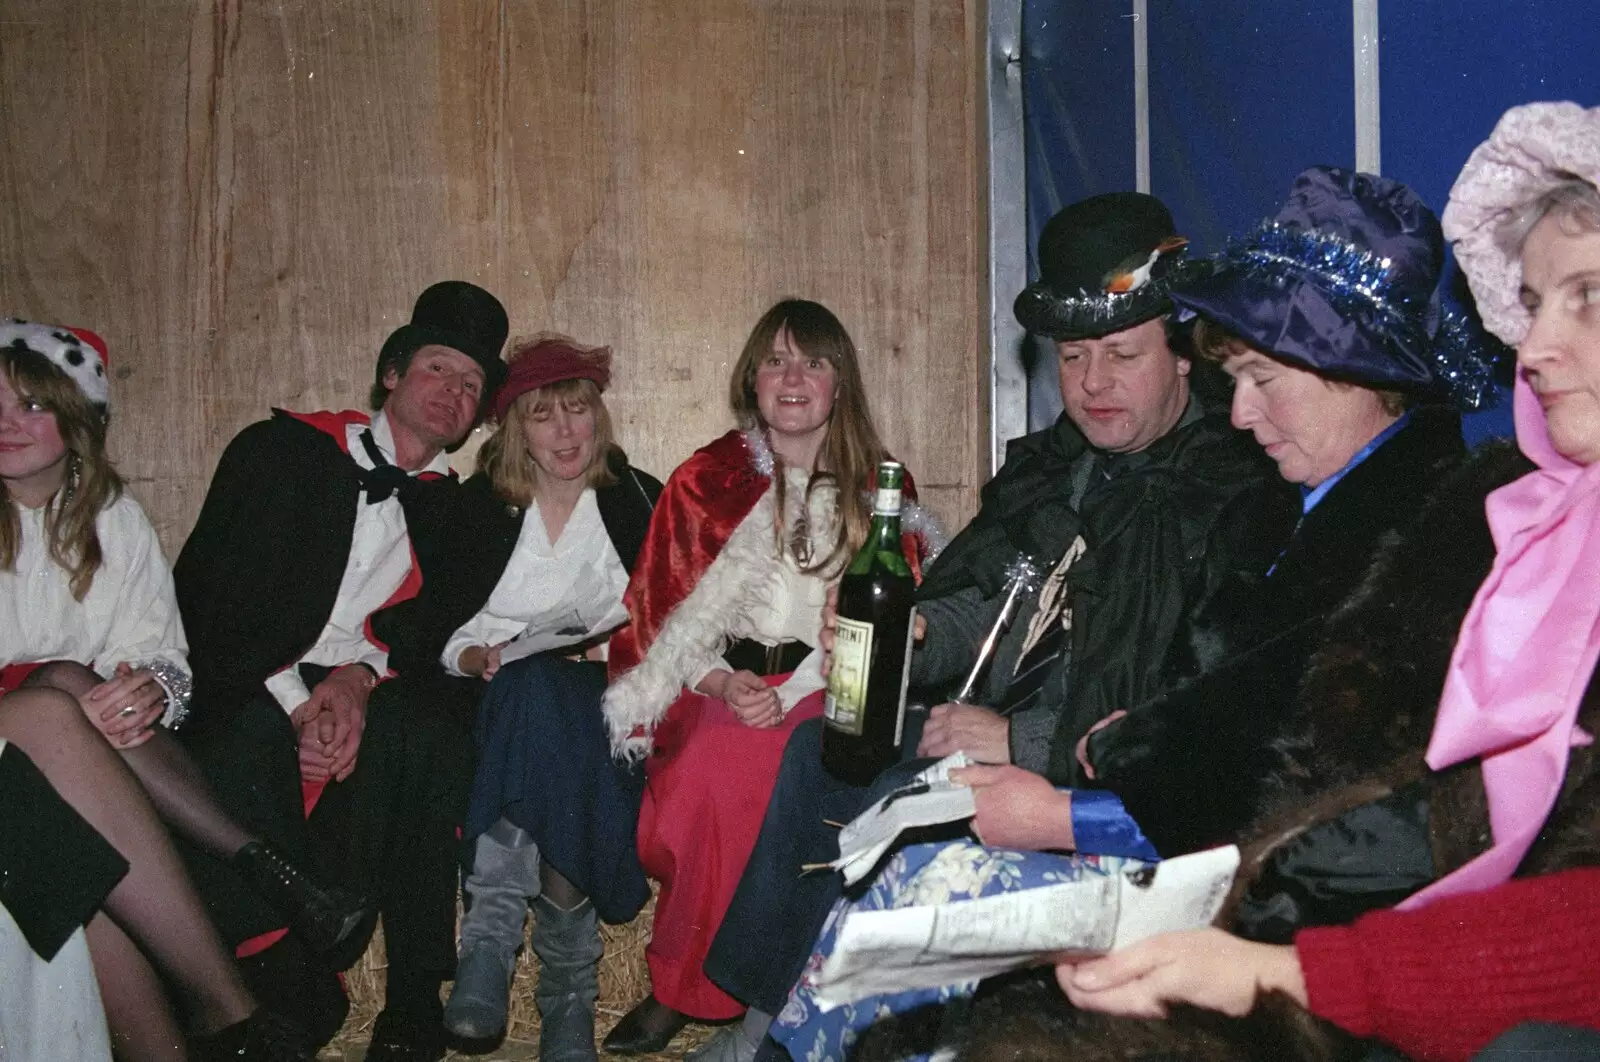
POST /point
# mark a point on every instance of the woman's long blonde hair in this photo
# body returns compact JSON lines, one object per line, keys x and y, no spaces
{"x":504,"y":457}
{"x":91,"y":485}
{"x":850,"y":450}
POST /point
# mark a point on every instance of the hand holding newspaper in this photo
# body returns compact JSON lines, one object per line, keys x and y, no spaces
{"x":1082,"y":905}
{"x":567,"y":625}
{"x":929,"y":799}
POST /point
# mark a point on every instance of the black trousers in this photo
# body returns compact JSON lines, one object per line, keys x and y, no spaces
{"x":388,"y":831}
{"x":777,"y":910}
{"x":391,"y":830}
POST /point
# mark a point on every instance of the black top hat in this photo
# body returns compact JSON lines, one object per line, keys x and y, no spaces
{"x":1105,"y":265}
{"x":458,"y":315}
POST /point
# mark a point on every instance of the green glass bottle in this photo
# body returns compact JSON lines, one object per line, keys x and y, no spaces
{"x":865,"y":705}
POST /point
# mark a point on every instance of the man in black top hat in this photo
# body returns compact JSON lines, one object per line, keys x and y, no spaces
{"x":1137,"y":505}
{"x":316,"y":529}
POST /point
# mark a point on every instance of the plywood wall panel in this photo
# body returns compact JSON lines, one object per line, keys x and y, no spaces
{"x":245,"y":198}
{"x":98,"y":212}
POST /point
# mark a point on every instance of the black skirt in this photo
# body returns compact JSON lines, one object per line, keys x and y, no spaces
{"x":55,"y":869}
{"x":544,"y":764}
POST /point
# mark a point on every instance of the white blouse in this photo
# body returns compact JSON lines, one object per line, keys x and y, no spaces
{"x":130,"y":614}
{"x":574,"y":583}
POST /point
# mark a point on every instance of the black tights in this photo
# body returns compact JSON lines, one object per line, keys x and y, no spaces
{"x":153,"y":916}
{"x":557,"y":889}
{"x":175,"y":786}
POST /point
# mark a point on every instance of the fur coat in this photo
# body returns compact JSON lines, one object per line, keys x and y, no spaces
{"x":1348,"y":769}
{"x":1192,"y":763}
{"x":700,"y":573}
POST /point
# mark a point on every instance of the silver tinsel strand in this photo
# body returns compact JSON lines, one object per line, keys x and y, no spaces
{"x":178,"y":685}
{"x":1361,"y":283}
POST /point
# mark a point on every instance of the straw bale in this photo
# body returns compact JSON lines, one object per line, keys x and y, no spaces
{"x":624,"y":980}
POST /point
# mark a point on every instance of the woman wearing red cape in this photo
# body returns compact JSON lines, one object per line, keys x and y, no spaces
{"x":718,"y":664}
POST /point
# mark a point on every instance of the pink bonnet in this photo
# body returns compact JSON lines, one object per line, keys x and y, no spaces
{"x":1533,"y":148}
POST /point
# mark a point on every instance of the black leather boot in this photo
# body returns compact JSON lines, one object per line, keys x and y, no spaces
{"x":324,"y":918}
{"x":647,"y":1029}
{"x":262,"y":1037}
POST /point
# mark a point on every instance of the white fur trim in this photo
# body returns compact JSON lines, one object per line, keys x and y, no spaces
{"x":80,"y":361}
{"x":922,"y":523}
{"x":717,"y":612}
{"x":761,"y":458}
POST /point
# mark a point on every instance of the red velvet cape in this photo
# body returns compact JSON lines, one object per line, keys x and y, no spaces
{"x":705,"y":498}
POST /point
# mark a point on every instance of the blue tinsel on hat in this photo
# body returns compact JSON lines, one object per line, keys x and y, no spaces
{"x":1343,"y":281}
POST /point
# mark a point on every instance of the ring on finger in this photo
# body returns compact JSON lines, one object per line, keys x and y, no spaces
{"x":128,"y":710}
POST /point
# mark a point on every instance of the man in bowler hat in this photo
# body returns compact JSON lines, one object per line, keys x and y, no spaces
{"x":1136,"y":505}
{"x":316,"y":530}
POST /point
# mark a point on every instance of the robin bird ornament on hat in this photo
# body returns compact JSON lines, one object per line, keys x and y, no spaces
{"x":1105,"y":265}
{"x":77,"y":352}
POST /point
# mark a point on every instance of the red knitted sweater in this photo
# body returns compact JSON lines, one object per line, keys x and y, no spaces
{"x":1441,"y":982}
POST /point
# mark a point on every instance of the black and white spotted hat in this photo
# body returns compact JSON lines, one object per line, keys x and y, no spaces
{"x":77,"y":352}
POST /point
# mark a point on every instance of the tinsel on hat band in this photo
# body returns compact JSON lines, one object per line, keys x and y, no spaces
{"x":1048,"y":312}
{"x":1354,"y":278}
{"x":1464,"y":357}
{"x":1360,"y":284}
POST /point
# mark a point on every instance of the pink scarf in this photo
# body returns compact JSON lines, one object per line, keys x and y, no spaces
{"x":1526,"y":652}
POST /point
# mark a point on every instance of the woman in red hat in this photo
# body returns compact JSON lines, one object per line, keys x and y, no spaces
{"x":554,"y":520}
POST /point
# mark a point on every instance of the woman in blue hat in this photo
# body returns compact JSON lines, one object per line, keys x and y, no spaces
{"x":1348,"y":374}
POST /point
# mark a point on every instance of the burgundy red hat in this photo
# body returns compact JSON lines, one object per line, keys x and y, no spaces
{"x":77,"y":352}
{"x":549,"y":361}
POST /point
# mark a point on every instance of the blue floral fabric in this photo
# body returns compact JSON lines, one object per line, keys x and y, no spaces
{"x":917,"y":875}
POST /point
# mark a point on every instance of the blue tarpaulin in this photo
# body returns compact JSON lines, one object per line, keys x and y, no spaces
{"x":1243,"y":94}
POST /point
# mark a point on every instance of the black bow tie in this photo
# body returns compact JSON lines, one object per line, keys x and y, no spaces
{"x":383,"y":480}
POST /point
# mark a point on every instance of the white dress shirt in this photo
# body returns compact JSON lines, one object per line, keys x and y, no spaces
{"x":577,"y":581}
{"x":129,"y":616}
{"x":380,"y":559}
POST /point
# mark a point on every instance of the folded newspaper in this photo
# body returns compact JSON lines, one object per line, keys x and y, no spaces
{"x":545,"y":633}
{"x":926,"y":946}
{"x":929,"y":799}
{"x":1054,"y":904}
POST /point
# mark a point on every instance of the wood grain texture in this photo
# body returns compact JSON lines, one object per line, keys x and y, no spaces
{"x":244,"y":198}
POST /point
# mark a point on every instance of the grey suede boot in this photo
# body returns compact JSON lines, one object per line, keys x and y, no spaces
{"x":505,"y":872}
{"x":567,"y":943}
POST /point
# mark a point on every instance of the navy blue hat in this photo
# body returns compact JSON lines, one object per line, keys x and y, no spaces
{"x":1343,"y":281}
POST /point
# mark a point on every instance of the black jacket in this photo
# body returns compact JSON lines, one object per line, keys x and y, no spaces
{"x":258,"y":576}
{"x":1351,"y":818}
{"x":1190,"y":764}
{"x":484,"y":535}
{"x":1165,"y":528}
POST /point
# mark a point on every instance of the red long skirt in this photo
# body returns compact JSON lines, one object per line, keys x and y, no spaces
{"x":707,"y":786}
